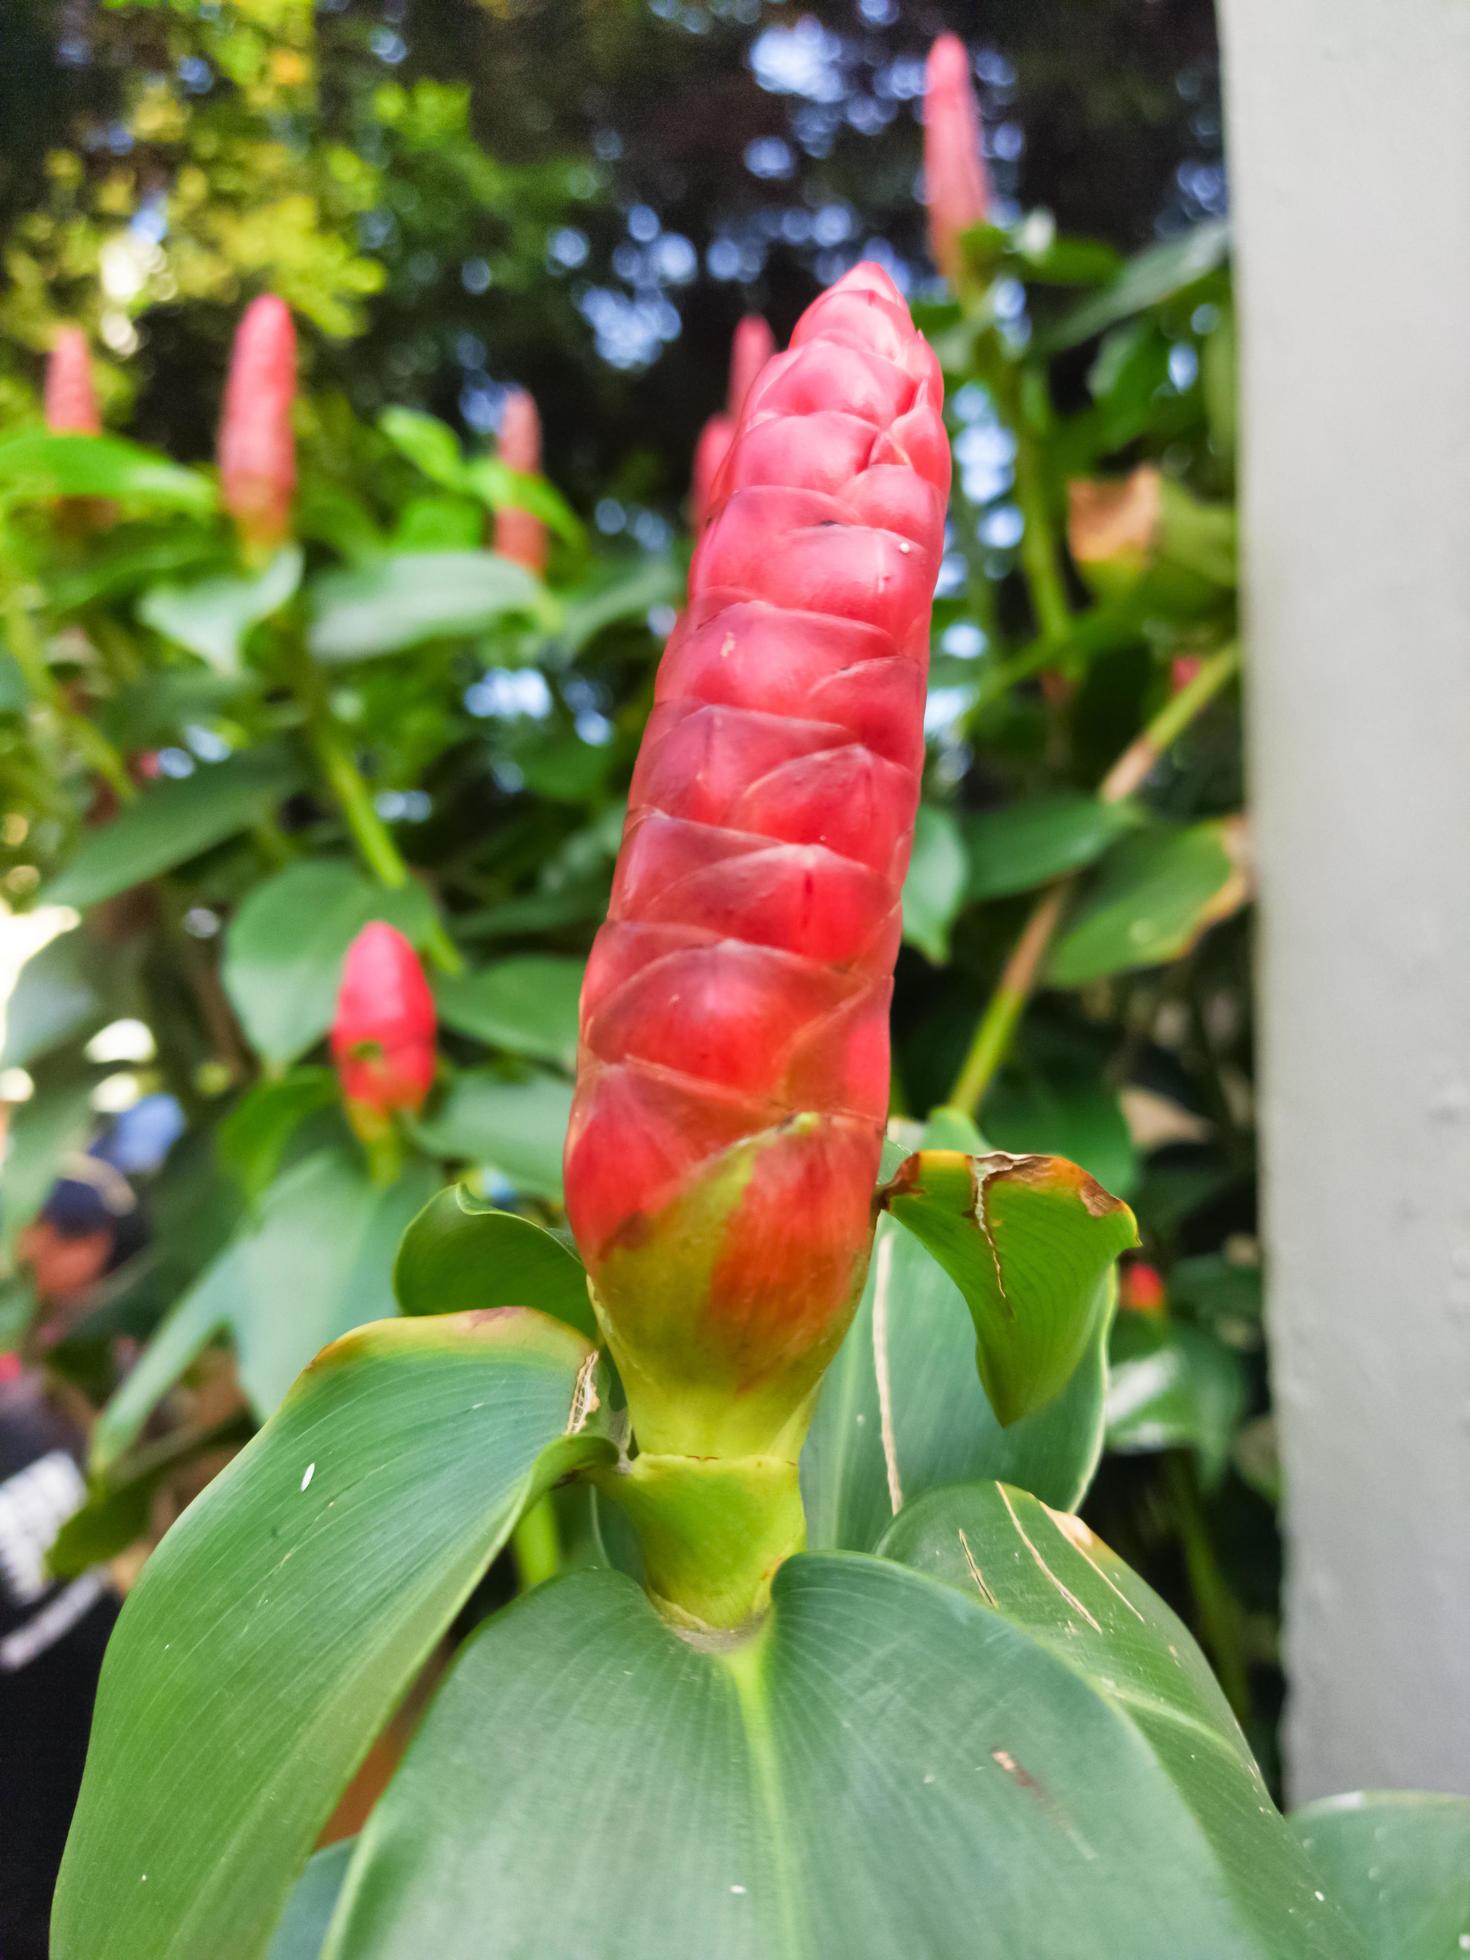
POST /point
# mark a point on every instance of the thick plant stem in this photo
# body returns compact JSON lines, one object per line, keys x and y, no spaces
{"x":1215,"y":1605}
{"x":536,"y":1545}
{"x":1041,"y":557}
{"x":998,"y":1023}
{"x":332,"y":748}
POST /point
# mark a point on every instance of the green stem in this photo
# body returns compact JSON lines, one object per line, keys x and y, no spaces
{"x":997,"y":1025}
{"x":536,"y":1545}
{"x":1215,"y":1606}
{"x":333,"y":748}
{"x":47,"y":691}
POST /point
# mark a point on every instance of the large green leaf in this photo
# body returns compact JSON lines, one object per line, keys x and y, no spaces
{"x":1398,"y":1863}
{"x":514,"y":1127}
{"x":1153,"y":898}
{"x":1040,"y":838}
{"x":283,"y":1617}
{"x":285,"y":946}
{"x":895,"y":1764}
{"x":171,"y":823}
{"x":935,"y":886}
{"x":460,"y":1254}
{"x":1030,"y":1242}
{"x":527,"y":1005}
{"x":399,"y":602}
{"x":1156,"y":274}
{"x":213,"y":616}
{"x":37,"y":466}
{"x":251,"y":1141}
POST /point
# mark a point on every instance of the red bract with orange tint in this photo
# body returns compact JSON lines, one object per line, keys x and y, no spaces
{"x":257,"y":450}
{"x":384,"y":1030}
{"x":955,"y":190}
{"x":71,"y":397}
{"x":733,"y":1076}
{"x":518,"y":534}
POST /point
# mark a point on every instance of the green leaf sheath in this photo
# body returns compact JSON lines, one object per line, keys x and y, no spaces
{"x":893,"y":1765}
{"x":284,"y":1616}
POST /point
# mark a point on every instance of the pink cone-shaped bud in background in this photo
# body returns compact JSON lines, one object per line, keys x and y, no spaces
{"x":955,"y":190}
{"x":709,"y":452}
{"x":732,"y":1080}
{"x":257,"y":450}
{"x":751,"y":347}
{"x":71,"y":396}
{"x":383,"y":1033}
{"x":518,"y":534}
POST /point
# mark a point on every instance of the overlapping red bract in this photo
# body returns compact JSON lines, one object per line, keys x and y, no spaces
{"x":518,"y":534}
{"x":71,"y":398}
{"x":384,"y":1029}
{"x":257,"y":450}
{"x":744,"y":973}
{"x":955,"y":189}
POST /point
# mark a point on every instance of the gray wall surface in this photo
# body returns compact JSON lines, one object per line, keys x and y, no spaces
{"x":1350,"y":156}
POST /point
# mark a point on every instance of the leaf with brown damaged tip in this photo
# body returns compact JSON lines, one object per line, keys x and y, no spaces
{"x":1030,"y":1242}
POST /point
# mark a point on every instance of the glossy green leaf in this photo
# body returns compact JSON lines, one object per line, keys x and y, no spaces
{"x":1156,"y":274}
{"x":171,"y":823}
{"x":901,"y":1409}
{"x":37,"y":465}
{"x":1173,"y":1386}
{"x":1398,"y":1863}
{"x":1030,"y":1242}
{"x":460,"y":1254}
{"x":213,"y":616}
{"x":527,"y":1005}
{"x":313,"y":1900}
{"x":1152,"y":899}
{"x":401,"y":601}
{"x":516,"y":1128}
{"x":896,"y":1764}
{"x":1043,"y":837}
{"x":935,"y":886}
{"x":283,"y":1617}
{"x":251,"y":1141}
{"x":285,"y":946}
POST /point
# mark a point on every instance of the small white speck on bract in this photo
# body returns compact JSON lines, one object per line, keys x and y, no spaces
{"x":1320,"y":1897}
{"x":307,"y":1475}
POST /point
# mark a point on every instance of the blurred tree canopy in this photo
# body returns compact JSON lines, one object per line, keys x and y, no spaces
{"x":577,"y":195}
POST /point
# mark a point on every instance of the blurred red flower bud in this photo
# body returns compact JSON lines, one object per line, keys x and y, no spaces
{"x":257,"y":449}
{"x":955,"y":190}
{"x":518,"y":534}
{"x":1141,"y":1288}
{"x":752,"y":346}
{"x":71,"y":397}
{"x":383,"y":1033}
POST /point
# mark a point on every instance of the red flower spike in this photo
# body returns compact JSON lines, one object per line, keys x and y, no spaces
{"x":71,"y":398}
{"x":383,"y":1033}
{"x":518,"y":534}
{"x":955,"y":189}
{"x":257,"y":450}
{"x":733,"y":1075}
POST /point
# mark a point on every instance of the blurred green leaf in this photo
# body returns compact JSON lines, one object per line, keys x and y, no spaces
{"x":135,"y":556}
{"x":527,"y":1005}
{"x":36,"y":466}
{"x":461,"y":1255}
{"x":62,"y":994}
{"x":401,"y":601}
{"x":517,"y":1128}
{"x":284,"y":949}
{"x":616,"y":592}
{"x":213,"y":616}
{"x":935,"y":886}
{"x":501,"y":488}
{"x":302,"y":1933}
{"x":1057,"y":1104}
{"x":172,"y":822}
{"x":429,"y":444}
{"x":1397,"y":1864}
{"x":1158,"y":273}
{"x":1039,"y":838}
{"x":439,"y":524}
{"x":253,"y":1138}
{"x":1173,"y":1386}
{"x":1155,"y":895}
{"x":56,"y":1120}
